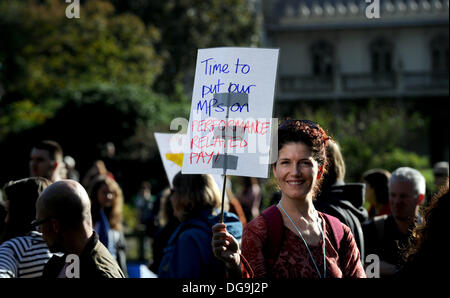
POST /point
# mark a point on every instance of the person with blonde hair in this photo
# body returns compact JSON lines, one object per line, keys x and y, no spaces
{"x":107,"y":215}
{"x":196,"y":202}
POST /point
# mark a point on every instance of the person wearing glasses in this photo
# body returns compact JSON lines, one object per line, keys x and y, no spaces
{"x":23,"y":252}
{"x":63,"y":212}
{"x":387,"y":235}
{"x":292,"y":239}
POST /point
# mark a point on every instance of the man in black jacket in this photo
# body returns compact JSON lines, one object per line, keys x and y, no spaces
{"x":63,"y":214}
{"x":387,"y":235}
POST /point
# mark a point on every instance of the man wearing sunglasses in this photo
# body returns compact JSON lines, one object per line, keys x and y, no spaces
{"x":63,"y":215}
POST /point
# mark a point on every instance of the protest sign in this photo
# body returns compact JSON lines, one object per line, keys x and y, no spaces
{"x":230,"y":125}
{"x":171,"y":156}
{"x":170,"y":146}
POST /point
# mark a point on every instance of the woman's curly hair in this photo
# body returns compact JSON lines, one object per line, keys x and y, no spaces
{"x":427,"y":236}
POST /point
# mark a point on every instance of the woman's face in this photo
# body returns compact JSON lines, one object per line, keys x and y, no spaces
{"x":105,"y":196}
{"x":296,"y":171}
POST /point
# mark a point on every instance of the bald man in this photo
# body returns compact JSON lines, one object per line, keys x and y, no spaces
{"x":63,"y":215}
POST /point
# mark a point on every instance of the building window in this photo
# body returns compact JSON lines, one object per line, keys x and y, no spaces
{"x":381,"y":52}
{"x":322,"y":59}
{"x":439,"y":54}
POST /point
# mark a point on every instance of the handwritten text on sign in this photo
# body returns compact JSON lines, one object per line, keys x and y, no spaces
{"x":231,"y":112}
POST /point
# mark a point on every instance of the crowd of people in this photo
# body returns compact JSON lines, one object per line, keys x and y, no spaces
{"x":317,"y":227}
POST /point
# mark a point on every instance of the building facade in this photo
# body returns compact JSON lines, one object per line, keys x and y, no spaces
{"x":334,"y":50}
{"x":353,"y":50}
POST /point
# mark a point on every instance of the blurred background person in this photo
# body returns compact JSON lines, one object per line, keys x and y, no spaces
{"x":440,"y":173}
{"x":112,"y":162}
{"x":377,"y":193}
{"x":250,"y":197}
{"x":385,"y":235}
{"x":107,"y":215}
{"x":46,"y":160}
{"x":342,"y":200}
{"x":71,"y":171}
{"x":147,"y":207}
{"x":97,"y":169}
{"x":23,"y":252}
{"x":196,"y":201}
{"x":167,"y":223}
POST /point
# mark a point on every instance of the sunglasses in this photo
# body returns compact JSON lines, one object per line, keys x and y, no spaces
{"x":36,"y":223}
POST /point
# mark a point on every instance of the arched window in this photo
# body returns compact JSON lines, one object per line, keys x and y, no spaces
{"x":322,"y":58}
{"x":381,"y":52}
{"x":439,"y":54}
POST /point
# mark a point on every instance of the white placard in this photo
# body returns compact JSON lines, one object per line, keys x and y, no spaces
{"x":230,"y":122}
{"x":170,"y":146}
{"x":171,"y":154}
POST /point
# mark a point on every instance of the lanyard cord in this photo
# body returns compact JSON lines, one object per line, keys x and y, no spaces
{"x":307,"y":247}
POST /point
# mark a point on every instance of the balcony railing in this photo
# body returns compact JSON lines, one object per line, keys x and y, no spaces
{"x":423,"y":80}
{"x":365,"y":84}
{"x":306,"y":83}
{"x":368,"y":82}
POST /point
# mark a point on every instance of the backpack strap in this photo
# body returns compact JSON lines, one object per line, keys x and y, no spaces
{"x":275,"y":226}
{"x":337,"y":230}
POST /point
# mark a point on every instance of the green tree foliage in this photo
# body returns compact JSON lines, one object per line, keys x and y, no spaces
{"x":42,"y":52}
{"x":125,"y":114}
{"x":188,"y":25}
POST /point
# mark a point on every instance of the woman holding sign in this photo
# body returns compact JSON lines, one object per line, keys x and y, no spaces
{"x":292,"y":239}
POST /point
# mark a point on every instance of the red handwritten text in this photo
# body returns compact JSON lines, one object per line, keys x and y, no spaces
{"x":252,"y":127}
